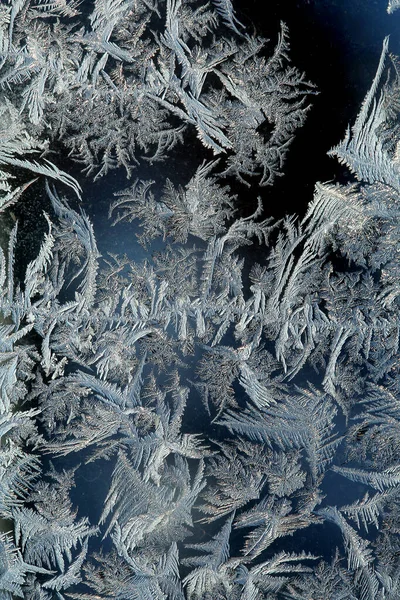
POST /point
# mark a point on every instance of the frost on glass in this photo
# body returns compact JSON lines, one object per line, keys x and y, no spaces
{"x":216,"y":398}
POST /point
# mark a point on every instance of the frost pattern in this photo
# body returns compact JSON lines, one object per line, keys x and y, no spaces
{"x":105,"y":360}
